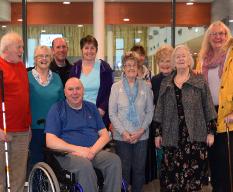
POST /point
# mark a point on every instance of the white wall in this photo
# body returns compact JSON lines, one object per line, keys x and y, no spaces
{"x":5,"y":10}
{"x":159,"y":36}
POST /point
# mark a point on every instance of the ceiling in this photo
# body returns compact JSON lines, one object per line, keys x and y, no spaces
{"x":199,"y":1}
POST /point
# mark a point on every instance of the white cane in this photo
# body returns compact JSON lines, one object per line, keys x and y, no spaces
{"x":4,"y":126}
{"x":229,"y":156}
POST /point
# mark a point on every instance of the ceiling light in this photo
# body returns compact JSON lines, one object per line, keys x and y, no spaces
{"x":20,"y":20}
{"x":196,"y":30}
{"x":66,"y":2}
{"x":189,"y":3}
{"x":3,"y":26}
{"x":126,"y":19}
{"x":230,"y":20}
{"x":139,"y":31}
{"x":43,"y":31}
{"x":80,"y":25}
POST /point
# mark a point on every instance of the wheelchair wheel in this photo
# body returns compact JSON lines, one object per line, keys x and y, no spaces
{"x":43,"y":179}
{"x":124,"y":186}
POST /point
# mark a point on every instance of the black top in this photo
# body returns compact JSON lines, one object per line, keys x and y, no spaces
{"x":156,"y":82}
{"x":63,"y":72}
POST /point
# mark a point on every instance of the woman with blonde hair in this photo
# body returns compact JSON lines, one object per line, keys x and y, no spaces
{"x":162,"y":59}
{"x":215,"y":62}
{"x":184,"y":123}
{"x":216,"y":37}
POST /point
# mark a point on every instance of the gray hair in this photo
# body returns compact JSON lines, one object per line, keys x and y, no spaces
{"x":9,"y":39}
{"x":130,"y":55}
{"x":187,"y":50}
{"x":42,"y":47}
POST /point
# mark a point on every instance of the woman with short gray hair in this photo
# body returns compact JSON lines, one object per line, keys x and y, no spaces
{"x":184,"y":122}
{"x":131,"y":111}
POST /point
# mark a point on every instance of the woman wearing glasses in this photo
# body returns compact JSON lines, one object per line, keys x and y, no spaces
{"x":131,"y":111}
{"x":45,"y":89}
{"x":215,"y":62}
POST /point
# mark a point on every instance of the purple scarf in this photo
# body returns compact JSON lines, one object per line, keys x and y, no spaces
{"x":209,"y":63}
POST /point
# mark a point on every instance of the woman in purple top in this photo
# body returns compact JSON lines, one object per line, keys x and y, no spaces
{"x":85,"y":66}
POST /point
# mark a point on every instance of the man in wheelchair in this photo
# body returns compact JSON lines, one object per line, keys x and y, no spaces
{"x":75,"y":126}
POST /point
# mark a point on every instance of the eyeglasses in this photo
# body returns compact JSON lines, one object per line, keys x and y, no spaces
{"x":131,"y":66}
{"x":43,"y":56}
{"x":221,"y":34}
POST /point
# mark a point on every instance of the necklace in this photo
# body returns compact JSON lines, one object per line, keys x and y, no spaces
{"x":180,"y":83}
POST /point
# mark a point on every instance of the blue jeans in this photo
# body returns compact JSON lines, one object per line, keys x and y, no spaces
{"x":133,"y":159}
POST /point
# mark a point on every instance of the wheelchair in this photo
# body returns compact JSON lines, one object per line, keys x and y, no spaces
{"x":49,"y":176}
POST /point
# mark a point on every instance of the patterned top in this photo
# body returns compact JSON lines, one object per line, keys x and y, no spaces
{"x":36,"y":75}
{"x":198,"y":109}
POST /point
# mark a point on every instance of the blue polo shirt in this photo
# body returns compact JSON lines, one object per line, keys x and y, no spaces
{"x":77,"y":127}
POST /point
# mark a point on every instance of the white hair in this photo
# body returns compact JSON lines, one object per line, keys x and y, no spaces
{"x":9,"y":39}
{"x":188,"y":52}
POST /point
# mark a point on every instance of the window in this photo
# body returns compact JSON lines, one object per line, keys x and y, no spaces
{"x":46,"y":39}
{"x":137,"y":40}
{"x":119,"y":53}
{"x":32,"y":43}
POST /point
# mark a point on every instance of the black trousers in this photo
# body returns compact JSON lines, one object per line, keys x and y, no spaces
{"x":219,"y":164}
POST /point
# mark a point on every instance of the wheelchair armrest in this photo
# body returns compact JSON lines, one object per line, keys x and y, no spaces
{"x":55,"y":152}
{"x":63,"y":175}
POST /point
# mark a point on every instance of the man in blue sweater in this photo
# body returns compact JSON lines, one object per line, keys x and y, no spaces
{"x":75,"y":126}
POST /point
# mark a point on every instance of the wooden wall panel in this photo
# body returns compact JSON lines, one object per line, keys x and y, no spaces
{"x":158,"y":13}
{"x":199,"y":13}
{"x":55,"y":13}
{"x":139,"y":13}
